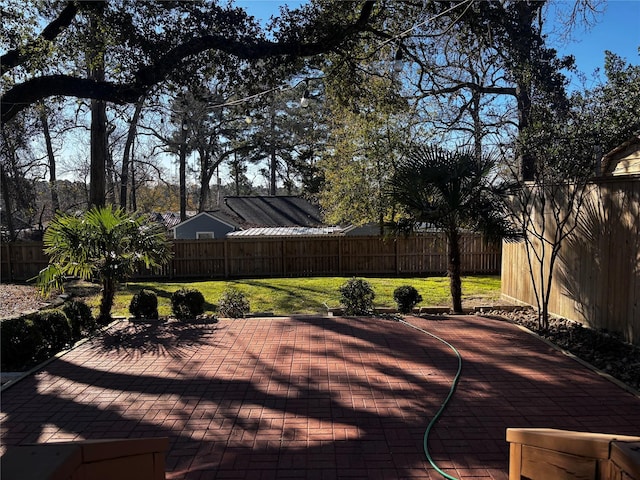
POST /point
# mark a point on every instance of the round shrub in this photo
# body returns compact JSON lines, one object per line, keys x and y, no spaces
{"x":22,"y":344}
{"x":406,"y":298}
{"x":187,"y":303}
{"x":80,"y":318}
{"x":356,"y":296}
{"x":55,"y":329}
{"x":144,"y":304}
{"x":233,"y":304}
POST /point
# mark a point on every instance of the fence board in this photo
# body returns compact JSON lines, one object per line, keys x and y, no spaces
{"x":291,"y":257}
{"x":21,"y":260}
{"x":597,"y":276}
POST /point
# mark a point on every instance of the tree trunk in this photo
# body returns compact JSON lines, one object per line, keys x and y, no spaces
{"x":527,"y":164}
{"x":236,"y":173}
{"x":55,"y":201}
{"x":110,"y":180}
{"x":477,"y":126}
{"x":128,"y":153}
{"x":8,"y":204}
{"x":106,"y":302}
{"x":206,"y":173}
{"x":521,"y":47}
{"x":454,"y":269}
{"x":99,"y":146}
{"x":273,"y":165}
{"x":183,"y":171}
{"x":97,"y":179}
{"x":134,"y":199}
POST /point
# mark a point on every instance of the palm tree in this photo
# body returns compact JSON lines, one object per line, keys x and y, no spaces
{"x":452,"y":191}
{"x":104,"y":243}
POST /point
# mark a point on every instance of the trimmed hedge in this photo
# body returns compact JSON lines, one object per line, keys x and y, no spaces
{"x":406,"y":298}
{"x":233,"y":304}
{"x":80,"y":317}
{"x":31,"y":339}
{"x":144,"y":304}
{"x":22,"y":344}
{"x":187,"y":303}
{"x":55,"y":328}
{"x":356,"y":296}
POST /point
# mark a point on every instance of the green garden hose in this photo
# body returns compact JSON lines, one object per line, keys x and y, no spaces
{"x":434,"y":420}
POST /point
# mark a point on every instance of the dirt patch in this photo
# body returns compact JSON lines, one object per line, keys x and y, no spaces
{"x":18,"y":299}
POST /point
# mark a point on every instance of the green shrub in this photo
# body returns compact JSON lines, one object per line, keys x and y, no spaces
{"x":406,"y":298}
{"x":187,"y":303}
{"x":80,"y":318}
{"x":144,"y":304}
{"x":55,"y":329}
{"x":22,"y":344}
{"x":356,"y":296}
{"x":233,"y":304}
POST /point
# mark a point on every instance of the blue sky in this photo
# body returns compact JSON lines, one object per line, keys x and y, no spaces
{"x":617,"y":30}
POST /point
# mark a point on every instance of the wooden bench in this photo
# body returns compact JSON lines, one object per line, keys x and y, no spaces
{"x":545,"y":454}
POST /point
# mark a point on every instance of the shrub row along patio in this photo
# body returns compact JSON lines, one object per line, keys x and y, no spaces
{"x":313,"y":397}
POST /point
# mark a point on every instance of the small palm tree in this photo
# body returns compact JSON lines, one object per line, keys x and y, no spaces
{"x":105,"y":243}
{"x":452,"y":191}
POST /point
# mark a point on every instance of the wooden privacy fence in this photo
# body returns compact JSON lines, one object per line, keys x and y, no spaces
{"x":596,"y":279}
{"x":293,"y":257}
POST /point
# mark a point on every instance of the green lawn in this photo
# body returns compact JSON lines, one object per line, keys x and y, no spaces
{"x":284,"y":296}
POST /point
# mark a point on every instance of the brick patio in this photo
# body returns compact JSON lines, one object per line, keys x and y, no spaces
{"x":314,"y":397}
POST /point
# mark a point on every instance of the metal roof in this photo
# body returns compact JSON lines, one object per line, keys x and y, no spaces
{"x":286,"y":231}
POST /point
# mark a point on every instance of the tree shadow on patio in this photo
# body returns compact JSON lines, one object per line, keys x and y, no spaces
{"x":171,"y":338}
{"x":309,"y":398}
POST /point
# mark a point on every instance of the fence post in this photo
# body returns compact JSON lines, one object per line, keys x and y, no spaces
{"x":9,"y":261}
{"x":282,"y":255}
{"x":226,"y":258}
{"x":340,"y":256}
{"x":172,"y":265}
{"x":395,"y":241}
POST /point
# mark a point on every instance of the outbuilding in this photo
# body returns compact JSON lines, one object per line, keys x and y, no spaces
{"x":623,"y":160}
{"x":203,"y":226}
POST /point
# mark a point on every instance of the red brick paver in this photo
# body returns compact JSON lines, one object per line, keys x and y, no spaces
{"x":317,"y":398}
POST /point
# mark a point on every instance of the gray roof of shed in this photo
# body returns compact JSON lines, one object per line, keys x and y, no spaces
{"x":278,"y":211}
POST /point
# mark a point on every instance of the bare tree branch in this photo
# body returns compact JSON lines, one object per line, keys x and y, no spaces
{"x":24,"y":94}
{"x":471,"y":86}
{"x":18,"y":56}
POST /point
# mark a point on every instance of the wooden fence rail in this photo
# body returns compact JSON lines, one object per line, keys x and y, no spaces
{"x":290,"y":257}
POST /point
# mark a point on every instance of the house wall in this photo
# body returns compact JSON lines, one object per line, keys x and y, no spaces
{"x":625,"y":161}
{"x":630,"y":165}
{"x":596,"y":279}
{"x":202,"y":223}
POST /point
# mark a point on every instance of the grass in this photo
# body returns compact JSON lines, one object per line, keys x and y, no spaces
{"x":284,"y":296}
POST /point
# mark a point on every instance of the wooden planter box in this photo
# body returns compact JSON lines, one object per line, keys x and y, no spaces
{"x":543,"y":453}
{"x":130,"y":459}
